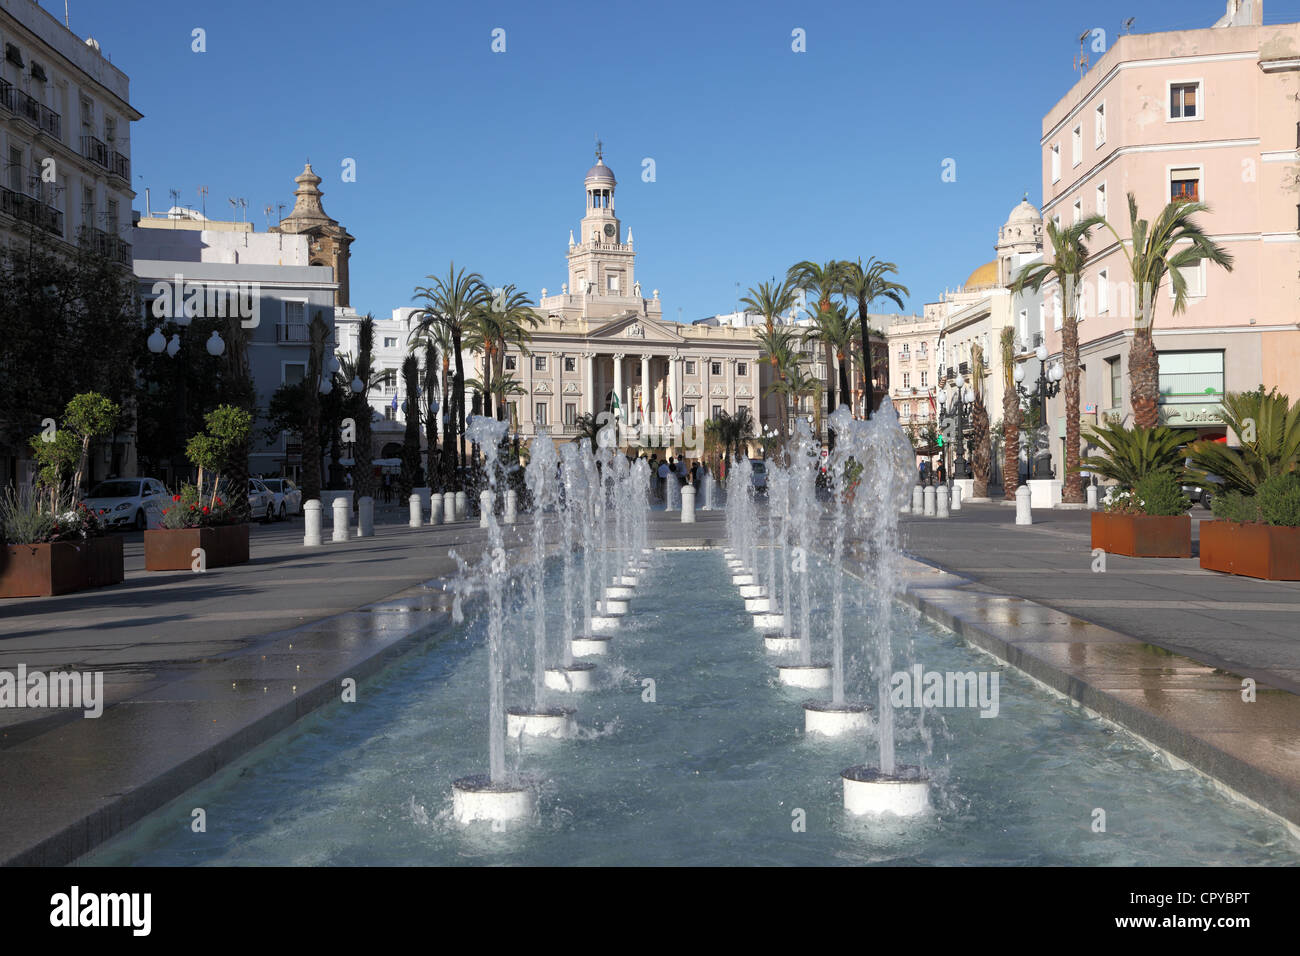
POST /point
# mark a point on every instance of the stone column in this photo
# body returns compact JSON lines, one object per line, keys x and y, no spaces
{"x":589,"y":385}
{"x":618,"y":376}
{"x":646,"y":402}
{"x":674,"y":367}
{"x":731,"y":389}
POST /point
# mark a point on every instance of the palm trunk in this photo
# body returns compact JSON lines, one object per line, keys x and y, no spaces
{"x":1072,"y":490}
{"x":982,"y":454}
{"x":844,"y":378}
{"x":458,"y":386}
{"x":1010,"y":443}
{"x":868,"y":366}
{"x":1144,"y":379}
{"x":448,"y":442}
{"x":487,"y":382}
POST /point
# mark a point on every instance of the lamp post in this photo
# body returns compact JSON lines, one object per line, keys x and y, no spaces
{"x":1047,"y":386}
{"x":958,"y":403}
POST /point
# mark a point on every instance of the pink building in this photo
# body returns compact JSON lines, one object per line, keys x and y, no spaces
{"x":1210,"y":115}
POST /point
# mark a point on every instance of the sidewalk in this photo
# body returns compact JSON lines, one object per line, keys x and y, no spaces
{"x":1237,"y":624}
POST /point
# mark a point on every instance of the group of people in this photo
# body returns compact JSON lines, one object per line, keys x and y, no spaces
{"x":678,"y":469}
{"x":939,"y":474}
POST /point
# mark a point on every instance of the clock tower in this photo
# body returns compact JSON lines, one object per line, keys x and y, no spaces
{"x":600,"y":263}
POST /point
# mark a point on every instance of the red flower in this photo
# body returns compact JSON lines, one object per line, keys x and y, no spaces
{"x":205,"y":509}
{"x":192,"y":507}
{"x":176,"y":497}
{"x":164,"y":511}
{"x":219,"y":501}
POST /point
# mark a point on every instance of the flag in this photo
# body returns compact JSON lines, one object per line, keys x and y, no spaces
{"x":668,"y":404}
{"x":640,"y":406}
{"x":613,"y":404}
{"x":394,"y":403}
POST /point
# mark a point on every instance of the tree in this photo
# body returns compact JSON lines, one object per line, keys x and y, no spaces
{"x":1130,"y":454}
{"x":981,"y":452}
{"x":89,"y":416}
{"x":867,"y":283}
{"x":1010,"y":416}
{"x":822,"y":280}
{"x":431,"y":407}
{"x":318,"y":331}
{"x":1174,"y":243}
{"x":451,"y":301}
{"x":502,"y":320}
{"x":770,"y":300}
{"x":219,"y":449}
{"x":363,"y":469}
{"x":411,"y":435}
{"x":1069,"y":259}
{"x":56,"y":455}
{"x":834,"y":329}
{"x":779,"y":351}
{"x":1268,"y":426}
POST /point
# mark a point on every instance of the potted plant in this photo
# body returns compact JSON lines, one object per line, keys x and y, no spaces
{"x":1257,"y":531}
{"x":199,"y":519}
{"x":1151,"y":521}
{"x":56,"y":550}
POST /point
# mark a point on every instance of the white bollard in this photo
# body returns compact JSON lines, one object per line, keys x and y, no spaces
{"x":941,"y":501}
{"x":688,"y":504}
{"x":956,"y":497}
{"x":918,"y":500}
{"x":1091,"y":492}
{"x":1024,"y":514}
{"x":417,"y":506}
{"x":366,"y":517}
{"x":435,"y":509}
{"x":484,"y":507}
{"x":449,"y":507}
{"x":929,"y":501}
{"x":341,"y":519}
{"x":462,"y":505}
{"x":512,"y":506}
{"x":312,"y":522}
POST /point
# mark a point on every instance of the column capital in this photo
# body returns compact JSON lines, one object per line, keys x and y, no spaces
{"x":732,"y":360}
{"x":619,"y":356}
{"x":589,"y":355}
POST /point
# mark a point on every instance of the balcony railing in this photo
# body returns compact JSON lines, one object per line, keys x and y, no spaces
{"x":95,"y":150}
{"x":30,"y":209}
{"x":292,"y":332}
{"x":107,"y":245}
{"x":119,"y":166}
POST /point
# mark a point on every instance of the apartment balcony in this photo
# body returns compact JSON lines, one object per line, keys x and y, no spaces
{"x":95,"y":150}
{"x":30,"y":109}
{"x":30,"y":209}
{"x":107,"y":245}
{"x":294,"y":332}
{"x":120,"y":167}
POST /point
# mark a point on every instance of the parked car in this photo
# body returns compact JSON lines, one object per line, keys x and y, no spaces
{"x":129,"y":502}
{"x":288,"y":496}
{"x":1204,"y":490}
{"x":261,"y":500}
{"x":759,"y":475}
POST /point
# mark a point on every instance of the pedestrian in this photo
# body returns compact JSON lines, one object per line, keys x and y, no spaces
{"x":388,"y":488}
{"x":943,"y":474}
{"x":663,"y":479}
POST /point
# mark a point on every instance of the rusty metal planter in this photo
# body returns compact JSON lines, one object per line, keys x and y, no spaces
{"x":172,"y":549}
{"x":1143,"y":536}
{"x":44,"y":570}
{"x":1252,"y":550}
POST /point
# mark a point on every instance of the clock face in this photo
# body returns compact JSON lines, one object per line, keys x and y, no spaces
{"x":609,"y":229}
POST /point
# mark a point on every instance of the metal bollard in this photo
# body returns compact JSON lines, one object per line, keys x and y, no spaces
{"x":956,"y":497}
{"x":688,"y":504}
{"x":435,"y":509}
{"x":918,"y":500}
{"x":1091,"y":492}
{"x":941,"y":501}
{"x":484,"y":507}
{"x":341,"y":519}
{"x":929,"y":501}
{"x":417,"y":506}
{"x":449,"y":507}
{"x":512,"y":506}
{"x":312,"y":522}
{"x":462,"y":505}
{"x":366,"y":517}
{"x":1024,"y":514}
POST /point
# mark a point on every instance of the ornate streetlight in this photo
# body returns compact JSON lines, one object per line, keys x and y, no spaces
{"x":1047,"y":386}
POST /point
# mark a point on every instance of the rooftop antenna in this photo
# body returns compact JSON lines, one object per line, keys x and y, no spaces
{"x":270,"y":208}
{"x":1081,"y":61}
{"x":176,"y":201}
{"x":1128,"y":24}
{"x":203,"y":198}
{"x":240,"y":204}
{"x":600,"y":149}
{"x":65,"y":15}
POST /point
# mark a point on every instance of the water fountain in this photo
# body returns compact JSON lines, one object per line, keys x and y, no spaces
{"x":576,"y":527}
{"x":838,"y":716}
{"x":804,"y":509}
{"x":539,"y":720}
{"x":709,"y":489}
{"x":885,"y":484}
{"x":496,"y":795}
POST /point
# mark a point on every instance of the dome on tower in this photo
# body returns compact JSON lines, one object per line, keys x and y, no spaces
{"x":983,"y":277}
{"x":600,"y":173}
{"x":1025,"y":212}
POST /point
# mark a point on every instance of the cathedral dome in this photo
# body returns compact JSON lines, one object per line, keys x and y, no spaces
{"x":600,"y":173}
{"x":983,"y":277}
{"x":1024,"y":213}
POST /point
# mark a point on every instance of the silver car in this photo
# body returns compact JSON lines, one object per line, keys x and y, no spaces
{"x":288,"y":496}
{"x":129,"y":502}
{"x":261,"y":500}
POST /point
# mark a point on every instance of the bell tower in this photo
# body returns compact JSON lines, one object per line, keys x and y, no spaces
{"x":600,"y":263}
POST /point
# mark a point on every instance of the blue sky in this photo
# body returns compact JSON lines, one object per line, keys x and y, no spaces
{"x":763,"y":156}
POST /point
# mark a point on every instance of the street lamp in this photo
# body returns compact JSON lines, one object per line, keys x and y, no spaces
{"x":1047,"y":386}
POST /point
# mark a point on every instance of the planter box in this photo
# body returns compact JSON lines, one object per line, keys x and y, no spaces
{"x":1252,"y":550}
{"x":1143,"y":536}
{"x":44,"y":570}
{"x":171,"y":549}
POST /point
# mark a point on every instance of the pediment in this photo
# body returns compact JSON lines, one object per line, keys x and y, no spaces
{"x":636,"y":328}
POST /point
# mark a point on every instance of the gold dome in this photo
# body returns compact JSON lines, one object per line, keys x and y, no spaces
{"x":983,"y":277}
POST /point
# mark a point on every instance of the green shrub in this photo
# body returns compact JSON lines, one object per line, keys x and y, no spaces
{"x":1130,"y":454}
{"x":1234,"y":506}
{"x":1161,"y":495}
{"x":1278,"y":500}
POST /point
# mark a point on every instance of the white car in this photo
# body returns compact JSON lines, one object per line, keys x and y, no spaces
{"x":262,"y":503}
{"x":129,"y":502}
{"x":288,"y":496}
{"x":758,"y":478}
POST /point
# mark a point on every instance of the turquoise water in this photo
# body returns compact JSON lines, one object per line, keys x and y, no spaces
{"x":716,"y":770}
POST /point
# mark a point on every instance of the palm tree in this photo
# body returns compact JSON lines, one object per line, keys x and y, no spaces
{"x":239,"y":389}
{"x":363,"y":478}
{"x":794,"y":385}
{"x":779,"y":351}
{"x":1010,"y":416}
{"x":834,"y":329}
{"x":866,"y":283}
{"x":430,"y":411}
{"x":1069,"y":259}
{"x":1174,"y":243}
{"x":981,"y":453}
{"x":411,"y":434}
{"x":452,"y":301}
{"x":770,"y":300}
{"x":822,"y":280}
{"x":436,"y":341}
{"x":502,"y":320}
